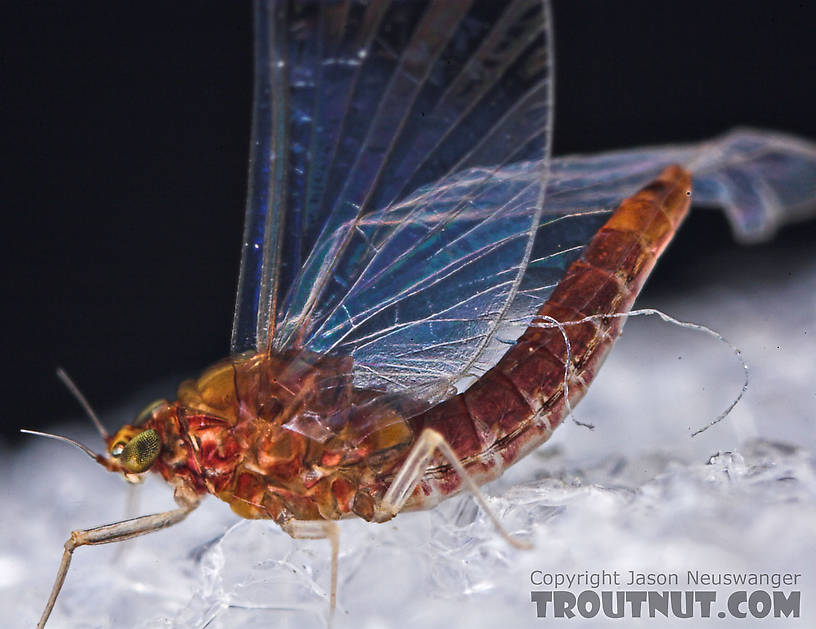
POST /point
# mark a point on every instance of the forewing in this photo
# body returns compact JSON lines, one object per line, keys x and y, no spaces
{"x":400,"y":152}
{"x":308,"y":66}
{"x":357,"y":106}
{"x":437,"y":286}
{"x":762,"y":180}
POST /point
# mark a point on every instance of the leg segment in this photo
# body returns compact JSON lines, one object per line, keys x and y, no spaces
{"x":109,"y":533}
{"x":414,"y":467}
{"x":320,"y":529}
{"x":130,"y":511}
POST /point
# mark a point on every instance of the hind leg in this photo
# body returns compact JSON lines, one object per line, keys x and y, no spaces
{"x":409,"y":475}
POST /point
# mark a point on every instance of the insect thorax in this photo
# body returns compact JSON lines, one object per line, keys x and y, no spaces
{"x":284,"y":436}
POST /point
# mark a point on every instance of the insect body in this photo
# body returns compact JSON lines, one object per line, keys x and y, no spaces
{"x":227,"y":433}
{"x":399,"y":224}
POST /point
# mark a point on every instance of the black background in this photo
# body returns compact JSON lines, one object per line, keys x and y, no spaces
{"x":125,"y":144}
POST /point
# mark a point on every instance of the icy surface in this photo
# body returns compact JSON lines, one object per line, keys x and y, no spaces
{"x":636,"y":493}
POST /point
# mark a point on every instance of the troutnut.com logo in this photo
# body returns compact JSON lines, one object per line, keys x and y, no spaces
{"x":689,"y":594}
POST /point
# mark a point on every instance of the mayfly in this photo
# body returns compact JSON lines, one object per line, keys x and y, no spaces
{"x":423,"y":293}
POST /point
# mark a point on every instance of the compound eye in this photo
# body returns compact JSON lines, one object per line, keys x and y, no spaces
{"x":140,"y":452}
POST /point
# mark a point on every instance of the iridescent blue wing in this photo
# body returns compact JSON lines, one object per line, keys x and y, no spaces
{"x":397,"y":336}
{"x":359,"y":106}
{"x":762,"y":181}
{"x":395,"y":211}
{"x":438,"y":281}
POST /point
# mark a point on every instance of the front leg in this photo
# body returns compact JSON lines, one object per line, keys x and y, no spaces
{"x":107,"y":534}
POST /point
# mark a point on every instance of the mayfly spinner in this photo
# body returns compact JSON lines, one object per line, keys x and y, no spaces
{"x":423,"y":293}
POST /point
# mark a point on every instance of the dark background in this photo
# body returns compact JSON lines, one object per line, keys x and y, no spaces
{"x":125,"y":145}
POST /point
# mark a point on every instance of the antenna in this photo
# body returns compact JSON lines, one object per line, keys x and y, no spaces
{"x":66,"y":380}
{"x":77,"y":444}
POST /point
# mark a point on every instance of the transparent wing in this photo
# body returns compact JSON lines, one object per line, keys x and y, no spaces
{"x":397,"y":180}
{"x":421,"y":310}
{"x":438,"y":283}
{"x":358,"y":105}
{"x":762,"y":180}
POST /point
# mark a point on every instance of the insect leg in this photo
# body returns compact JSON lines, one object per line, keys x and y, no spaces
{"x":116,"y":532}
{"x":414,"y":467}
{"x":130,"y":511}
{"x":320,"y":529}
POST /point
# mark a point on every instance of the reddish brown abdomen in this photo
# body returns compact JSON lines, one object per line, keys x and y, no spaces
{"x":515,"y":405}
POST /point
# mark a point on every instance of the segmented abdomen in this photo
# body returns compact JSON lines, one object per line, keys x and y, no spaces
{"x":514,"y":407}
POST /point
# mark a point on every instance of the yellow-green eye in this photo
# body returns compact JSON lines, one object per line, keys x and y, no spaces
{"x":147,"y":412}
{"x":140,"y":452}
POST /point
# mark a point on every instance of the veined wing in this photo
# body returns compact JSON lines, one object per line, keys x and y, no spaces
{"x":413,"y":278}
{"x":439,"y":283}
{"x":421,"y":306}
{"x":357,"y":106}
{"x":762,"y":180}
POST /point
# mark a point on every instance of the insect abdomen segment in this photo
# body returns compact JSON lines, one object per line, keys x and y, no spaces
{"x":515,"y":406}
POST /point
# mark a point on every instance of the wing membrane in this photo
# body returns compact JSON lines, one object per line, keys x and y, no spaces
{"x":421,"y":311}
{"x":438,"y":285}
{"x":402,"y":148}
{"x":307,"y":63}
{"x":761,"y":179}
{"x":361,"y":104}
{"x":486,"y":99}
{"x":259,"y":277}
